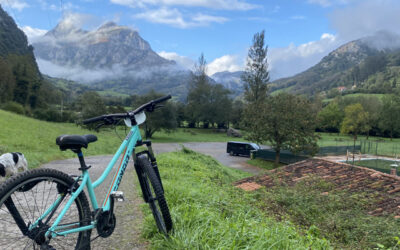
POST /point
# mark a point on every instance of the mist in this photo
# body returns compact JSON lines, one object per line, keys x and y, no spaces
{"x":89,"y":76}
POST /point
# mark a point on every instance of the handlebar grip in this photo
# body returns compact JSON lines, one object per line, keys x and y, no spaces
{"x":92,"y":120}
{"x":162,"y":99}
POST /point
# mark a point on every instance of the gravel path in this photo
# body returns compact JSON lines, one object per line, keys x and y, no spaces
{"x":128,"y":213}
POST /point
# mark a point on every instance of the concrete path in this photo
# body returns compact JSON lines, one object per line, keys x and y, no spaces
{"x":214,"y":149}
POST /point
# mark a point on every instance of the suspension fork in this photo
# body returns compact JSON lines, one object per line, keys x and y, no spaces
{"x":139,"y":171}
{"x":153,"y":161}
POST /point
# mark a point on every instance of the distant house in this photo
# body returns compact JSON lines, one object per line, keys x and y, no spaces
{"x":341,"y":88}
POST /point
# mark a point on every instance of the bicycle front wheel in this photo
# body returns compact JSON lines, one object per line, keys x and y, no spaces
{"x":26,"y":197}
{"x":153,"y":194}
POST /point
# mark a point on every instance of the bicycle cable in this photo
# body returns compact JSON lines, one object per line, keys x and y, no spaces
{"x":115,"y":130}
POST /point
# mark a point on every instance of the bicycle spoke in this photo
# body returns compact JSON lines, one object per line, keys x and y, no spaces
{"x":31,"y":204}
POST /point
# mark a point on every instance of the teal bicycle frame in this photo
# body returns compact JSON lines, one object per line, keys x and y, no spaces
{"x":127,"y":149}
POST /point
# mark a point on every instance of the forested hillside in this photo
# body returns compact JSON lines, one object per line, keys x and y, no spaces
{"x":359,"y":66}
{"x":20,"y":79}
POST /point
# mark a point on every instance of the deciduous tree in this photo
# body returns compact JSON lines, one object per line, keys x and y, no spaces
{"x":161,"y":119}
{"x":288,"y":122}
{"x":390,"y":114}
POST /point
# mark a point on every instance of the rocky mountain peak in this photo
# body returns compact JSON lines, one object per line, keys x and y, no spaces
{"x":109,"y":46}
{"x":109,"y":24}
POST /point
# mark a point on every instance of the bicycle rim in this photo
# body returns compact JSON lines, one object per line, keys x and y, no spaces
{"x":32,"y":197}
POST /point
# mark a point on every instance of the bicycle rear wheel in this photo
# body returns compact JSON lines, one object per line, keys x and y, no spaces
{"x":26,"y":196}
{"x":154,"y":195}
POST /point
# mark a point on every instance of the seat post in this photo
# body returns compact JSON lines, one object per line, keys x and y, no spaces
{"x":81,"y":160}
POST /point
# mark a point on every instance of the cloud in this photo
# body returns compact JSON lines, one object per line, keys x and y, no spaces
{"x":366,"y":18}
{"x":298,"y":17}
{"x":57,"y":6}
{"x":14,"y":4}
{"x":328,"y":3}
{"x":33,"y":33}
{"x":182,"y":61}
{"x":211,"y":4}
{"x":82,"y":75}
{"x":175,"y":18}
{"x":225,"y":63}
{"x":230,"y":63}
{"x":294,"y":59}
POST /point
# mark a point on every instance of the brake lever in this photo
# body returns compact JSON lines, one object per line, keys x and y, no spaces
{"x":159,"y":106}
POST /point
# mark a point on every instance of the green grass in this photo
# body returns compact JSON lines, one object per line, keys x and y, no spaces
{"x":380,"y":96}
{"x":209,"y":213}
{"x":36,"y":139}
{"x":339,"y":216}
{"x":193,"y":135}
{"x":385,"y":145}
{"x":377,"y":164}
{"x":268,"y":165}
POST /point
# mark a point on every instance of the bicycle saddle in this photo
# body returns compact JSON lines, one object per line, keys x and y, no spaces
{"x":74,"y":141}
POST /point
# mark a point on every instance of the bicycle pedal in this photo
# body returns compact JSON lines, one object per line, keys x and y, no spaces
{"x":118,"y":195}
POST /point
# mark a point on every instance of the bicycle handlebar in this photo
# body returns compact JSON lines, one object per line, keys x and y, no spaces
{"x":149,"y":107}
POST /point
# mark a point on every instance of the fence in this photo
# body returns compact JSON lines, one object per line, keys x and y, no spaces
{"x":380,"y":147}
{"x":338,"y":150}
{"x":285,"y":156}
{"x":337,"y":147}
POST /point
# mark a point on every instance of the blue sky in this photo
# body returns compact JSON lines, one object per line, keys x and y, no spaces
{"x":299,"y":32}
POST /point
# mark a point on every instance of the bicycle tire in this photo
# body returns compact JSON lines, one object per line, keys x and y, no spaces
{"x":32,"y":192}
{"x":154,"y":195}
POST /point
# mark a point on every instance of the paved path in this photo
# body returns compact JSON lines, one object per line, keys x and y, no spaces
{"x":214,"y":149}
{"x":128,"y":213}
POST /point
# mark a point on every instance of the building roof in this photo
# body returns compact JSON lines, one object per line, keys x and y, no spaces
{"x":344,"y":176}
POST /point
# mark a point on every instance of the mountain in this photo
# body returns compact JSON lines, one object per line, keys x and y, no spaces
{"x":230,"y":80}
{"x":342,"y":66}
{"x":105,"y":47}
{"x":111,"y":57}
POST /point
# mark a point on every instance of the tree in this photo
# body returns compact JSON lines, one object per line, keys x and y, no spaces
{"x":206,"y":102}
{"x":91,"y":104}
{"x":161,"y":119}
{"x":256,"y":78}
{"x":288,"y":122}
{"x":371,"y":105}
{"x":256,"y":75}
{"x":330,"y":118}
{"x":220,"y":106}
{"x":199,"y":92}
{"x":390,"y":114}
{"x":7,"y":82}
{"x":236,"y":113}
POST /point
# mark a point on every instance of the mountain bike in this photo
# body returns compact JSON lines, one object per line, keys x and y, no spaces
{"x":47,"y":209}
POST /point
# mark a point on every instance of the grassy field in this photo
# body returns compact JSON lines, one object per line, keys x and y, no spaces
{"x":377,"y":164}
{"x":193,"y":135}
{"x":268,"y":165}
{"x":380,"y":96}
{"x":36,"y":139}
{"x":383,"y":146}
{"x":209,"y":213}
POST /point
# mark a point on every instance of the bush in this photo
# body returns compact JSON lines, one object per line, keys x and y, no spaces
{"x":54,"y":115}
{"x":14,"y":107}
